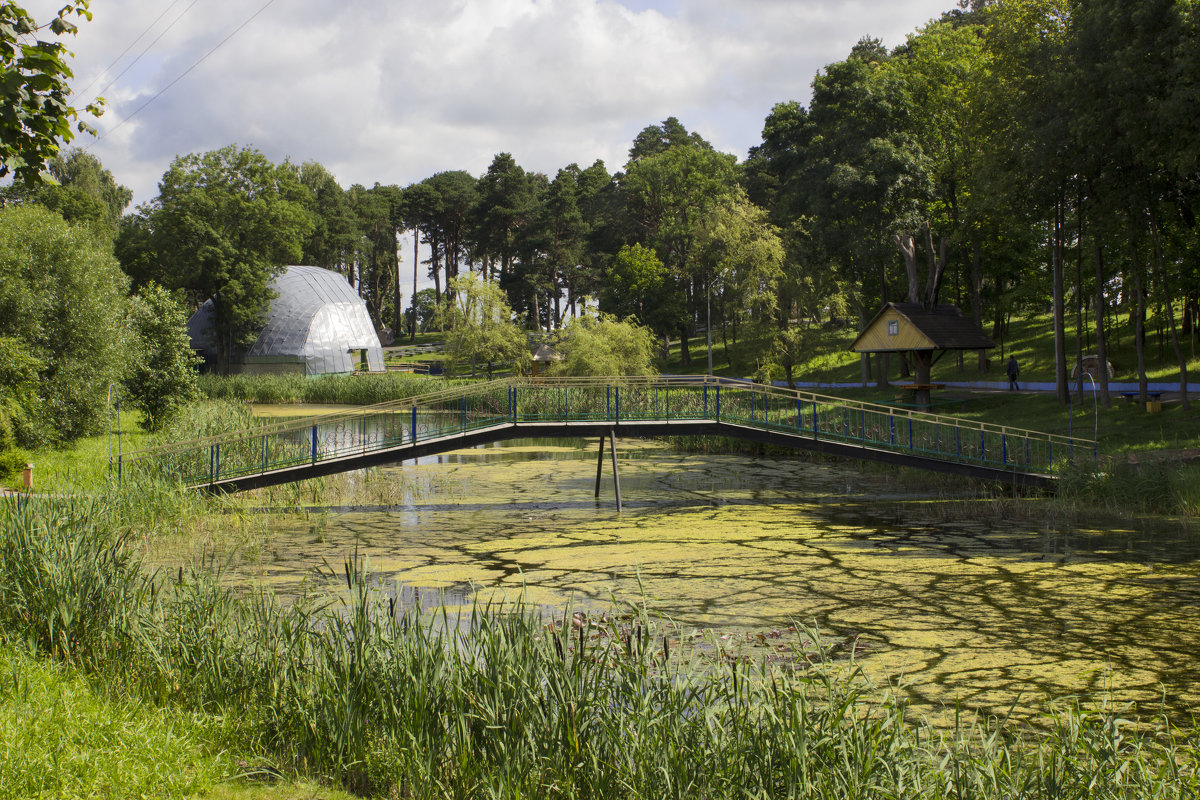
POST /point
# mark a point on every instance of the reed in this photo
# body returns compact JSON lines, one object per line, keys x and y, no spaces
{"x":332,"y":389}
{"x":347,"y":684}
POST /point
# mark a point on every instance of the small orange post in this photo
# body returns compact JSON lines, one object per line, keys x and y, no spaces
{"x":27,"y":477}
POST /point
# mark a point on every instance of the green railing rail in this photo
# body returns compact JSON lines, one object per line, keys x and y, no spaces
{"x":464,"y":409}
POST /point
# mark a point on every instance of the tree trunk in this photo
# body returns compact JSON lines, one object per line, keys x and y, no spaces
{"x":1170,"y":304}
{"x":398,"y":297}
{"x":1079,"y":330}
{"x":685,"y":355}
{"x":976,"y":294}
{"x":923,"y":362}
{"x":1101,"y":344}
{"x":1139,"y":328}
{"x":908,"y":251}
{"x":416,"y":267}
{"x":1060,"y":335}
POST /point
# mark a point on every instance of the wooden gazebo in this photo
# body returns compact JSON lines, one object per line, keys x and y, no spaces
{"x":927,"y":333}
{"x":544,"y":358}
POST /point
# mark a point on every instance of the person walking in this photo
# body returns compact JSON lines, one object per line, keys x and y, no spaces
{"x":1014,"y":370}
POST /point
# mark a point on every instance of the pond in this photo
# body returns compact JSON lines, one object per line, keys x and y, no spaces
{"x":949,"y":599}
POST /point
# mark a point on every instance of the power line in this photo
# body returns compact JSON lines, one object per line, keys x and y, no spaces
{"x":145,"y":50}
{"x":181,"y":76}
{"x":149,"y":28}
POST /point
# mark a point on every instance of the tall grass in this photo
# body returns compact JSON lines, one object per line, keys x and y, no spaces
{"x":333,"y":389}
{"x":386,"y":699}
{"x":1153,"y":487}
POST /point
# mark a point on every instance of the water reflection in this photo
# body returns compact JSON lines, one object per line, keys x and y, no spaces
{"x":962,"y":606}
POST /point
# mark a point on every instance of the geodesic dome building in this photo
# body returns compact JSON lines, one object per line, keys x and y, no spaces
{"x":317,"y":325}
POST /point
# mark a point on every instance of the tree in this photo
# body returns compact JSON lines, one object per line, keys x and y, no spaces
{"x":479,"y":326}
{"x":604,"y":345}
{"x":36,"y":116}
{"x":224,"y":225}
{"x":741,"y":259}
{"x":162,"y":376}
{"x":639,"y":287}
{"x":425,"y":302}
{"x":19,"y":401}
{"x":331,"y":243}
{"x":669,"y":194}
{"x":63,"y":298}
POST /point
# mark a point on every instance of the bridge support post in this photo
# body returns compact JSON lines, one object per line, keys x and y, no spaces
{"x":612,"y":440}
{"x":600,"y":467}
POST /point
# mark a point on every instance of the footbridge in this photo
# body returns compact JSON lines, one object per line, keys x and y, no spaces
{"x":606,"y":407}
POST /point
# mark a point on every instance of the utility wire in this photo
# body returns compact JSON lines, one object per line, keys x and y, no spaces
{"x":145,"y":50}
{"x":149,"y":28}
{"x":181,"y":76}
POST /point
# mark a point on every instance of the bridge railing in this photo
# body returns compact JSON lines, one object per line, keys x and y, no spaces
{"x":796,"y":412}
{"x":666,"y":399}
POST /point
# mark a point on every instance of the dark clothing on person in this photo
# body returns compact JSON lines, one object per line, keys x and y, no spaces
{"x":1013,"y":371}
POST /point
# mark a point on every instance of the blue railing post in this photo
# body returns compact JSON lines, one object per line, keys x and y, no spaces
{"x":617,"y":397}
{"x":718,"y":403}
{"x":892,"y":428}
{"x":799,"y":414}
{"x":1004,"y":448}
{"x":706,"y":401}
{"x":982,"y":447}
{"x":212,"y":463}
{"x":314,"y":444}
{"x":910,"y":434}
{"x":217,"y":473}
{"x":412,"y":431}
{"x":118,"y":469}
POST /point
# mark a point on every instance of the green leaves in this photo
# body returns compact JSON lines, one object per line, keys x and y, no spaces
{"x":35,"y":118}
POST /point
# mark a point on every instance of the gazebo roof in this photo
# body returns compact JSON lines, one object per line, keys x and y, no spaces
{"x":943,"y":327}
{"x":547,"y":353}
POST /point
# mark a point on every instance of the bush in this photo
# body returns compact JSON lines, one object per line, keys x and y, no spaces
{"x":63,"y":300}
{"x":12,"y":461}
{"x":162,"y":375}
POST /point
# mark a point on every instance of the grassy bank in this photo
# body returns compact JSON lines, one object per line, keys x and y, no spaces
{"x":1030,"y":338}
{"x":393,"y":702}
{"x":333,"y":389}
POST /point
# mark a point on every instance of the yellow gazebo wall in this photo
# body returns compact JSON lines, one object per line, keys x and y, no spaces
{"x":875,"y":338}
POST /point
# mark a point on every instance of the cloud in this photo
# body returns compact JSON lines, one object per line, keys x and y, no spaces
{"x":393,"y":92}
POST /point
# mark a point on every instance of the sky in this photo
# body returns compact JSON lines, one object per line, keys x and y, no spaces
{"x":392,"y":91}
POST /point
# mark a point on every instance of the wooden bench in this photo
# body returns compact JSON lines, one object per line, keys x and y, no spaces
{"x":1131,"y":396}
{"x":912,"y":387}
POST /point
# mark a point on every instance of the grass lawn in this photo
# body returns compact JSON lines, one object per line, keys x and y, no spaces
{"x":61,"y":737}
